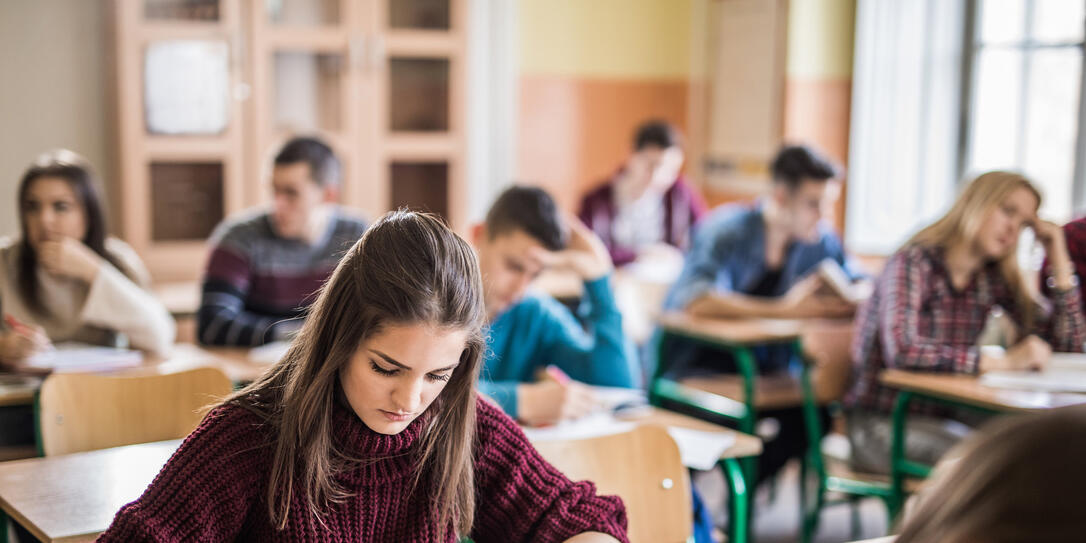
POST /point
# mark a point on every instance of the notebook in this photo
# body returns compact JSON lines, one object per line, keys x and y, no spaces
{"x":69,"y":357}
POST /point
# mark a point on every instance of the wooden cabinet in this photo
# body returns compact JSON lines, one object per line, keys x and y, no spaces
{"x":207,"y":91}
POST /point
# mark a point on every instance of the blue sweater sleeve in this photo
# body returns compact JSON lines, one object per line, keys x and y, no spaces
{"x":600,"y":355}
{"x":504,"y":393}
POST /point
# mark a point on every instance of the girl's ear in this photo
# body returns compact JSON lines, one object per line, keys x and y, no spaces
{"x":478,"y":233}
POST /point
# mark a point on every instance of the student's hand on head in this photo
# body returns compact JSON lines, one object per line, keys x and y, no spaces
{"x":68,"y":257}
{"x":585,"y":254}
{"x":17,"y":346}
{"x":550,"y":401}
{"x":1049,"y":234}
{"x":1054,"y":241}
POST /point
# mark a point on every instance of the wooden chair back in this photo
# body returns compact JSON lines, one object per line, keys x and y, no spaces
{"x":82,"y":412}
{"x":641,"y":466}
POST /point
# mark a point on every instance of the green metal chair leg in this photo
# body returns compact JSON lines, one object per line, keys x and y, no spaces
{"x":813,"y":457}
{"x":854,"y":510}
{"x":4,"y":527}
{"x":739,"y":504}
{"x":897,"y":453}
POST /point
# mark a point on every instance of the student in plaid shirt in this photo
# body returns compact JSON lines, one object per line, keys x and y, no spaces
{"x":932,"y":302}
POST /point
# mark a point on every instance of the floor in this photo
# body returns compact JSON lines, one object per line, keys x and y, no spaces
{"x":777,"y":520}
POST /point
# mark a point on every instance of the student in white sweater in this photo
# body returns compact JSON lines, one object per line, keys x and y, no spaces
{"x":64,"y":279}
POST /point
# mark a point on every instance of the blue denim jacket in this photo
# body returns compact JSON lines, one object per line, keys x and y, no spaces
{"x":728,"y":255}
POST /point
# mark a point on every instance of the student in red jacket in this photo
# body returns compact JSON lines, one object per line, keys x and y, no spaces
{"x":369,"y":429}
{"x":647,"y":203}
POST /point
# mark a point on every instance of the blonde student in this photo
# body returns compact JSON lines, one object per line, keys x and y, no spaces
{"x":1020,"y":479}
{"x":64,"y":278}
{"x":370,"y":428}
{"x":931,"y":304}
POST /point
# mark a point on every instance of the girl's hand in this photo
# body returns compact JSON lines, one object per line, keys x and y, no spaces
{"x":18,"y":345}
{"x":1054,"y":242}
{"x":68,"y":257}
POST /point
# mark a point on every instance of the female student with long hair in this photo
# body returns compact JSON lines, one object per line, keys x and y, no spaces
{"x":64,"y":279}
{"x":1019,"y":479}
{"x":932,"y":302}
{"x":369,"y":428}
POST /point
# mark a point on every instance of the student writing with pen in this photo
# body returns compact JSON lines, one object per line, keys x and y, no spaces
{"x":523,"y":234}
{"x":64,"y":279}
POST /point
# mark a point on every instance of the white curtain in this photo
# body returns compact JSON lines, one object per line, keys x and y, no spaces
{"x":903,"y":155}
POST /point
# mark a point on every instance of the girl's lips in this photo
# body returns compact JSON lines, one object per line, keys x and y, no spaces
{"x":394,"y":416}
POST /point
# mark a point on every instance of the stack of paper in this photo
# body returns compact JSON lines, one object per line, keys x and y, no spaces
{"x":72,"y":357}
{"x":1066,"y":373}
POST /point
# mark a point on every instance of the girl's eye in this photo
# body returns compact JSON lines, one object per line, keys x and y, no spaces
{"x":380,"y":370}
{"x":435,"y":377}
{"x":61,"y":206}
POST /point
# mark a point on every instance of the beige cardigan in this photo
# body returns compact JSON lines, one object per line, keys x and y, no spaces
{"x":106,"y":312}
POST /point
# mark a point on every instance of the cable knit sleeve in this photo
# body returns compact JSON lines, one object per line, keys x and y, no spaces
{"x":206,"y":489}
{"x":121,"y":302}
{"x":520,"y":497}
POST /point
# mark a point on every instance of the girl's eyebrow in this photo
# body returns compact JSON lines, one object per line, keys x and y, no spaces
{"x":389,"y":359}
{"x":396,"y":363}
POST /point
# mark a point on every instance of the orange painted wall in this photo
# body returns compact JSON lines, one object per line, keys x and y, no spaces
{"x":575,"y":131}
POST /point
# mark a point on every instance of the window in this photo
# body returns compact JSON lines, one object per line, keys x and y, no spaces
{"x":1026,"y":87}
{"x":944,"y":89}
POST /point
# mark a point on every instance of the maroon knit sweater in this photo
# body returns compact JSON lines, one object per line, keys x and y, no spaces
{"x":214,"y":486}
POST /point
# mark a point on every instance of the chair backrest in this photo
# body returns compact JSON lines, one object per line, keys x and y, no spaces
{"x":641,"y":466}
{"x":827,"y":344}
{"x":82,"y":412}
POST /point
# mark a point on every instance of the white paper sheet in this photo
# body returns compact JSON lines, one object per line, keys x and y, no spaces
{"x":269,"y":353}
{"x":67,"y":357}
{"x":1052,"y":380}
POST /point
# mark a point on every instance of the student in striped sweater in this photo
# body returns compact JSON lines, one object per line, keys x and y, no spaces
{"x":370,"y":428}
{"x":266,"y":265}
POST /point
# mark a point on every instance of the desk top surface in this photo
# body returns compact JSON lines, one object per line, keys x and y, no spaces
{"x":968,"y":389}
{"x":74,"y":497}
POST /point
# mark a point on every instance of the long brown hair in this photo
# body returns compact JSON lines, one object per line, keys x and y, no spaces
{"x":408,"y":268}
{"x":964,"y":220}
{"x":77,"y":171}
{"x":1019,"y":479}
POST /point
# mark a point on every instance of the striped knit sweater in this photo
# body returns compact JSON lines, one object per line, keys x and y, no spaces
{"x":214,"y":487}
{"x":256,"y":281}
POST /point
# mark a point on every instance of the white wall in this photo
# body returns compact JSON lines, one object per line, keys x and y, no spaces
{"x":53,"y":89}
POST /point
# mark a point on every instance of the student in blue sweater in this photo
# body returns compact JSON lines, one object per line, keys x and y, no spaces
{"x":524,"y":234}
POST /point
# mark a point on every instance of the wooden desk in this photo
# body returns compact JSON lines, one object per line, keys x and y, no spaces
{"x":735,"y":332}
{"x":181,"y":299}
{"x":17,"y":389}
{"x":233,"y":361}
{"x":967,"y":389}
{"x":953,"y":389}
{"x":74,"y":497}
{"x":745,"y":444}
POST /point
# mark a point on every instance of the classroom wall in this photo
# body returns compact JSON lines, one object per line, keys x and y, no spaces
{"x":590,"y":72}
{"x":54,"y":62}
{"x":818,"y":80}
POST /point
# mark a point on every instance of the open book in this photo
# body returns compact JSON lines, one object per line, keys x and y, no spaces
{"x":834,"y":276}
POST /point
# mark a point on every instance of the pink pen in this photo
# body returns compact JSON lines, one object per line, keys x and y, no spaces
{"x":556,"y":373}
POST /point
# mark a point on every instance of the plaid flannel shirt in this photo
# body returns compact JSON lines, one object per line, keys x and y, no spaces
{"x":916,"y":320}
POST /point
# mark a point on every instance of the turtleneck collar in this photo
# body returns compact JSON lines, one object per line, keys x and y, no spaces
{"x":385,"y":457}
